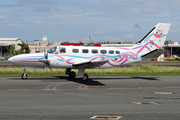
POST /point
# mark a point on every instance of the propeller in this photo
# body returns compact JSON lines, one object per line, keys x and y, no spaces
{"x":45,"y":60}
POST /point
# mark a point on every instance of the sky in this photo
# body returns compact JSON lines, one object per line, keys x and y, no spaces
{"x":75,"y":20}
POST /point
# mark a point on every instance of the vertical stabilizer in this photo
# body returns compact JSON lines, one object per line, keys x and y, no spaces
{"x":154,"y":39}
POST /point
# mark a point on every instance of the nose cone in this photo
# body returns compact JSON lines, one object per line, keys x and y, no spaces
{"x":10,"y":60}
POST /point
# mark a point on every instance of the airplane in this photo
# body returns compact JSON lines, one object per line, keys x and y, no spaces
{"x":86,"y":57}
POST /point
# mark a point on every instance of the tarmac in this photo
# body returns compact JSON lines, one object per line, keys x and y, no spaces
{"x":109,"y":97}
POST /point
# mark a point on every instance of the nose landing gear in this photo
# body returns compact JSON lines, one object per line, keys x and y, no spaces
{"x":24,"y":75}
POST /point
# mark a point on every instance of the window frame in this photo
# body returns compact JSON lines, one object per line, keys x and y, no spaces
{"x":118,"y":52}
{"x":94,"y":50}
{"x":75,"y":51}
{"x":62,"y":48}
{"x":84,"y":51}
{"x":111,"y":52}
{"x":102,"y":52}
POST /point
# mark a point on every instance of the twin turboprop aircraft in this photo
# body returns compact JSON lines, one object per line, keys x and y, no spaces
{"x":81,"y":58}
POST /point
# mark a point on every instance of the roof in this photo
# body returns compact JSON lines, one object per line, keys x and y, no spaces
{"x":5,"y":44}
{"x":9,"y":39}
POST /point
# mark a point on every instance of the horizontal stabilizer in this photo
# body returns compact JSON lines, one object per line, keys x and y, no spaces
{"x":153,"y":54}
{"x":90,"y":64}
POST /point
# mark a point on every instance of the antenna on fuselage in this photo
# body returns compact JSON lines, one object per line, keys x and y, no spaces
{"x":90,"y":38}
{"x":94,"y":36}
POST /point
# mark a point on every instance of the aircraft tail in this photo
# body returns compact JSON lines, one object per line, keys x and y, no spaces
{"x":153,"y":41}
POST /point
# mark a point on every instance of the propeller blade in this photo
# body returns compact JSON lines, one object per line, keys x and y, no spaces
{"x":46,"y":55}
{"x":50,"y":68}
{"x":45,"y":60}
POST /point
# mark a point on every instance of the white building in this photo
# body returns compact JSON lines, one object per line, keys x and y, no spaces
{"x":11,"y":41}
{"x":4,"y":42}
{"x":39,"y":45}
{"x":42,"y":41}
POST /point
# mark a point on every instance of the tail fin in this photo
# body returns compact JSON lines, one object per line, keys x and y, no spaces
{"x":153,"y":40}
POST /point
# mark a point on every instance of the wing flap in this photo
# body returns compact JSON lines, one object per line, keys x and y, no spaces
{"x":90,"y":64}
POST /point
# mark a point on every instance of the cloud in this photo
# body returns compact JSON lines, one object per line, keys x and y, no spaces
{"x":43,"y":9}
{"x":137,"y":26}
{"x":39,"y":21}
{"x":99,"y":32}
{"x":129,"y":35}
{"x":2,"y":17}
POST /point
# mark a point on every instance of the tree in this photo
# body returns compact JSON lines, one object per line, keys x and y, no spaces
{"x":24,"y":48}
{"x":10,"y":49}
{"x":81,"y":43}
{"x":166,"y":43}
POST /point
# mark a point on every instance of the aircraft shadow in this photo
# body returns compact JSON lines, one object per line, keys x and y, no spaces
{"x":131,"y":77}
{"x":90,"y":82}
{"x":146,"y":78}
{"x":93,"y":81}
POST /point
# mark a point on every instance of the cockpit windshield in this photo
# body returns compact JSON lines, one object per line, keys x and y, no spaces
{"x":52,"y":50}
{"x":55,"y":50}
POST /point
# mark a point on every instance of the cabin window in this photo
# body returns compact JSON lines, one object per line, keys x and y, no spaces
{"x":85,"y":50}
{"x":103,"y":51}
{"x":52,"y":50}
{"x":62,"y":50}
{"x":75,"y":50}
{"x":111,"y":51}
{"x":117,"y":52}
{"x":94,"y":51}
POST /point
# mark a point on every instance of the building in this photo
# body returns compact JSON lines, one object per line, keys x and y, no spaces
{"x":38,"y":46}
{"x":42,"y":41}
{"x":4,"y":42}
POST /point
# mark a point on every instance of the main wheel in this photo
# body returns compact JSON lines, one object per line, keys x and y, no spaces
{"x":72,"y":74}
{"x":24,"y":76}
{"x":85,"y":77}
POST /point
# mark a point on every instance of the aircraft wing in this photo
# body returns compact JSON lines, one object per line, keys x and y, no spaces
{"x":90,"y":64}
{"x":153,"y":54}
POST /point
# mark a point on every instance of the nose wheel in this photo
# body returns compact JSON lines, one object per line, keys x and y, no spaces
{"x":24,"y":75}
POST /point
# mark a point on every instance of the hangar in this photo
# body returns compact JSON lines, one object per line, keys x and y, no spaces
{"x":4,"y":42}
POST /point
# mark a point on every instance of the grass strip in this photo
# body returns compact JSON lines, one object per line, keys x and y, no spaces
{"x":144,"y":70}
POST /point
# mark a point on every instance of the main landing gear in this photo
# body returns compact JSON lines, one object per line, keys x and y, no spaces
{"x":81,"y":74}
{"x":71,"y":74}
{"x":24,"y":75}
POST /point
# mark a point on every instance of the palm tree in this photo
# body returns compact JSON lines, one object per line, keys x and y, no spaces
{"x":24,"y":48}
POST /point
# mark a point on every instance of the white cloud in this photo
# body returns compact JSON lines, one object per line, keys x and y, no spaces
{"x":2,"y":17}
{"x":129,"y":35}
{"x":39,"y":21}
{"x":99,"y":32}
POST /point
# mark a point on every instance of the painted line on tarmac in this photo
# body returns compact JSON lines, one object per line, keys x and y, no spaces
{"x":172,"y":87}
{"x":107,"y":117}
